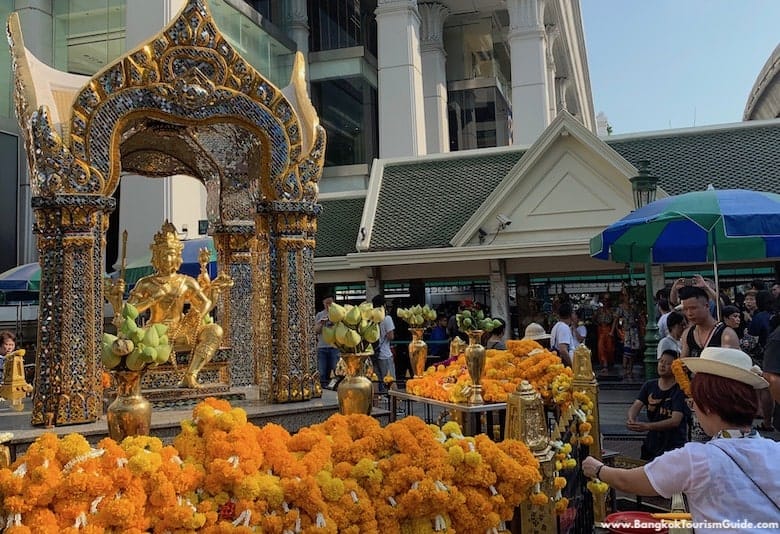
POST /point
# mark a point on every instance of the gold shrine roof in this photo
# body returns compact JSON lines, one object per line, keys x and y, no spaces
{"x":41,"y":84}
{"x":185,"y":102}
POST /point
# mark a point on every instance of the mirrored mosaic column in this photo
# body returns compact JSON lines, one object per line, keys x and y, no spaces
{"x":234,"y":244}
{"x":70,"y":232}
{"x":287,"y":262}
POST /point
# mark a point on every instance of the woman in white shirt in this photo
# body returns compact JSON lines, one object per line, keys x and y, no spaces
{"x":731,"y":481}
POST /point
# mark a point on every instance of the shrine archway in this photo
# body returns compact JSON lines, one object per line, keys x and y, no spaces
{"x":183,"y":103}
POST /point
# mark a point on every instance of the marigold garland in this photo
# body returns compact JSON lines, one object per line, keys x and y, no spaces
{"x":223,"y":474}
{"x":681,"y":376}
{"x":504,"y":371}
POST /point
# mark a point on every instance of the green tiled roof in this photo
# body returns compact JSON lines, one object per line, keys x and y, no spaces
{"x":337,"y":227}
{"x":423,"y":204}
{"x":728,"y":158}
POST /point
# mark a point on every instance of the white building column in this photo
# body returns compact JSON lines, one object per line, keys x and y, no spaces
{"x":561,"y":87}
{"x":499,"y":294}
{"x":35,"y":17}
{"x":373,"y":282}
{"x":401,"y":107}
{"x":298,"y":22}
{"x":553,"y":32}
{"x":528,"y":48}
{"x":437,"y":134}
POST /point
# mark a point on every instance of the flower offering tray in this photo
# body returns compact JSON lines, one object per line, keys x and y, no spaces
{"x":488,"y":418}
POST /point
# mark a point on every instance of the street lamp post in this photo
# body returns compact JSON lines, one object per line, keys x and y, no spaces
{"x":644,"y":186}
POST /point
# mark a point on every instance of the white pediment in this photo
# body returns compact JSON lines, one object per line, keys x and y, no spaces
{"x":567,"y":187}
{"x":571,"y":190}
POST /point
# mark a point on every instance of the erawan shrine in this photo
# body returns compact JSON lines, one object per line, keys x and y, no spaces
{"x":199,"y":406}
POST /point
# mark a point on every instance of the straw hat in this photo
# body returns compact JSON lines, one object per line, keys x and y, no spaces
{"x":728,"y":363}
{"x":535,"y":331}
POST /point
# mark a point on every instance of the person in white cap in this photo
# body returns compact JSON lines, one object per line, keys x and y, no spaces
{"x":535,"y":332}
{"x":730,"y":480}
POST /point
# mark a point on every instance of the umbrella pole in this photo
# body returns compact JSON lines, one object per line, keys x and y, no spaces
{"x":717,"y":284}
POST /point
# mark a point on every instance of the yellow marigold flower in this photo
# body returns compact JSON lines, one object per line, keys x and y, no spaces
{"x":144,"y":462}
{"x":133,"y":443}
{"x":597,"y":487}
{"x":450,"y":428}
{"x":472,"y":458}
{"x":332,"y":488}
{"x":455,"y":455}
{"x":559,"y":483}
{"x":72,"y":446}
{"x":539,"y":499}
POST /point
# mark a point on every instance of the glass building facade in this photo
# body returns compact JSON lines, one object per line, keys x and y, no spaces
{"x":88,"y":34}
{"x":348,"y":112}
{"x":343,"y":74}
{"x":6,"y":77}
{"x":342,"y":24}
{"x":478,"y":91}
{"x":256,"y":43}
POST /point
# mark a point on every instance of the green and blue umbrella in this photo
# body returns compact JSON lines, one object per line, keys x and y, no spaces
{"x":25,"y":277}
{"x":698,"y":227}
{"x":139,"y":267}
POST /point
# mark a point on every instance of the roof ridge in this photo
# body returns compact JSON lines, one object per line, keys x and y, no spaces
{"x":692,"y":130}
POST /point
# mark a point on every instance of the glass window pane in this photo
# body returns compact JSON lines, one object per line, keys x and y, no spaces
{"x":342,"y":24}
{"x":478,"y":118}
{"x":348,"y":112}
{"x":88,"y":34}
{"x":270,"y":57}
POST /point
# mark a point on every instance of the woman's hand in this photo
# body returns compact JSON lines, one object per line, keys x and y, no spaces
{"x":590,"y":465}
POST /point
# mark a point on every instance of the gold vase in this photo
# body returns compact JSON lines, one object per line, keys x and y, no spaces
{"x":475,"y":363}
{"x":130,"y":414}
{"x":457,"y":345}
{"x":418,"y":352}
{"x":355,"y":391}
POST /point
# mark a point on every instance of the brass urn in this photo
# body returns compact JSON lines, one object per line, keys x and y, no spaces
{"x":418,"y":352}
{"x":355,"y":391}
{"x":475,"y":363}
{"x":130,"y":414}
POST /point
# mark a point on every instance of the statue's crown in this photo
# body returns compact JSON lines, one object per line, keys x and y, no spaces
{"x":167,"y":237}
